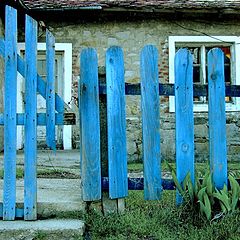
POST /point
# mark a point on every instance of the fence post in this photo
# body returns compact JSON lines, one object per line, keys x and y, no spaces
{"x":151,"y":123}
{"x":184,"y":116}
{"x":217,"y":117}
{"x":10,"y":128}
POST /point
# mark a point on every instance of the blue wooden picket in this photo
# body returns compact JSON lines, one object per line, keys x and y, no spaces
{"x":10,"y":98}
{"x":116,"y":122}
{"x":151,"y":123}
{"x":50,"y":90}
{"x":30,"y":163}
{"x":184,"y":116}
{"x":217,"y":117}
{"x":90,"y":126}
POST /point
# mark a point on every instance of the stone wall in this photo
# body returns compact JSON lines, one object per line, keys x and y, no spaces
{"x":132,"y":36}
{"x":1,"y":86}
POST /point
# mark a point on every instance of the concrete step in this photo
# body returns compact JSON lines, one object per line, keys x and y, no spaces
{"x":54,"y":196}
{"x":54,"y":229}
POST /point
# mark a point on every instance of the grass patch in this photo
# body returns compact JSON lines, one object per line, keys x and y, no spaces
{"x":45,"y":173}
{"x":158,"y":220}
{"x":135,"y":167}
{"x":19,"y":173}
{"x":56,"y":173}
{"x":41,"y":235}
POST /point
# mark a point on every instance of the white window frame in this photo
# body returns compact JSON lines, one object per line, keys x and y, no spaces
{"x":66,"y":50}
{"x":234,"y":43}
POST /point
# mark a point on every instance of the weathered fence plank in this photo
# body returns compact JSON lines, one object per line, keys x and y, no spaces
{"x":116,"y":122}
{"x":30,"y":130}
{"x":217,"y":118}
{"x":50,"y":90}
{"x":151,"y":123}
{"x":9,"y":195}
{"x":90,"y":165}
{"x":10,"y":98}
{"x":184,"y":116}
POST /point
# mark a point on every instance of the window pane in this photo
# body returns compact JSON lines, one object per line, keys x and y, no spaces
{"x":41,"y":65}
{"x":200,"y":61}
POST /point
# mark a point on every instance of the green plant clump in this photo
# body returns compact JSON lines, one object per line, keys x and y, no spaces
{"x":204,"y":198}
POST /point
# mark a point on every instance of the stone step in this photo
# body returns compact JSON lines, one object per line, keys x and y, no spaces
{"x":54,"y":229}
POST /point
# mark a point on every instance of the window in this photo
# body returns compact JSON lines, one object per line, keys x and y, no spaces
{"x":199,"y":47}
{"x":63,"y":75}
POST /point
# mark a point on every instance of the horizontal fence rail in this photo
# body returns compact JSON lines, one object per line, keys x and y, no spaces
{"x":138,"y":184}
{"x":167,"y":89}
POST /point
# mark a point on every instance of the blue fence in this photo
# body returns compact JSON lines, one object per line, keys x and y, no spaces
{"x":117,"y":182}
{"x":30,"y":119}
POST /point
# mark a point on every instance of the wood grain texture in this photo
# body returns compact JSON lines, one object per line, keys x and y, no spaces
{"x":10,"y":127}
{"x":217,"y":117}
{"x":50,"y":90}
{"x":90,"y":166}
{"x":184,"y":116}
{"x":151,"y":123}
{"x":116,"y":122}
{"x":30,"y":130}
{"x":2,"y":47}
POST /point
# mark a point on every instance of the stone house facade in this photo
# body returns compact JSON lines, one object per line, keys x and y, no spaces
{"x":169,"y":25}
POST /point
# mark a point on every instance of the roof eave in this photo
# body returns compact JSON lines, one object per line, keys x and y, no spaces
{"x":142,"y":10}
